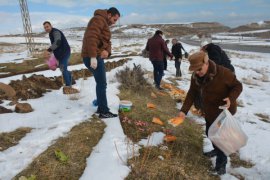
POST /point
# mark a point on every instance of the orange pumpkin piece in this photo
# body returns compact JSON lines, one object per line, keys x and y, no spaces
{"x":151,"y":105}
{"x":176,"y":121}
{"x":157,"y":121}
{"x":153,"y":95}
{"x":180,"y":91}
{"x":167,"y":86}
{"x":169,"y":138}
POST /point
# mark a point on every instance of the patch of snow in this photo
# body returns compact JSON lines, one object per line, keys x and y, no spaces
{"x":155,"y":139}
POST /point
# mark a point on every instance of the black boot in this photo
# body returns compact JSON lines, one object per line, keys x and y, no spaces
{"x":221,"y":170}
{"x":221,"y":162}
{"x":159,"y":88}
{"x":210,"y":154}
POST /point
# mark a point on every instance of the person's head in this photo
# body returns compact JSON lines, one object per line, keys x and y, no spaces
{"x":113,"y":15}
{"x":167,"y":41}
{"x":204,"y":45}
{"x":199,"y":63}
{"x":47,"y":26}
{"x":174,"y":41}
{"x":159,"y":32}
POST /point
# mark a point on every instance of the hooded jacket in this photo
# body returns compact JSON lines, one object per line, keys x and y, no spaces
{"x":156,"y":47}
{"x":97,"y":36}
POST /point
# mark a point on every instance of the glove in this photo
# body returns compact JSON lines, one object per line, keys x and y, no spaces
{"x":93,"y":62}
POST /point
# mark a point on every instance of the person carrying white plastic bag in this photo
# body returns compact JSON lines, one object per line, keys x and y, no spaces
{"x":211,"y":86}
{"x":226,"y":133}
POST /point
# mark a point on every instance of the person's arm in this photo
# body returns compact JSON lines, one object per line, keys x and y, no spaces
{"x":93,"y":35}
{"x":234,"y":85}
{"x":57,"y":41}
{"x":189,"y":98}
{"x":109,"y":48}
{"x":165,"y":49}
{"x":147,"y":46}
{"x":183,"y":48}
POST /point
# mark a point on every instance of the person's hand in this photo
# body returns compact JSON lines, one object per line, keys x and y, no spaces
{"x":47,"y":54}
{"x":93,"y":62}
{"x":228,"y":102}
{"x":104,"y":54}
{"x":182,"y":115}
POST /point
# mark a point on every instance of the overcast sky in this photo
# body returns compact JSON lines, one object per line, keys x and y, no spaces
{"x":74,"y":13}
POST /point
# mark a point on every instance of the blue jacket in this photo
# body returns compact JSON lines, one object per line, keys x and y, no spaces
{"x":60,"y":48}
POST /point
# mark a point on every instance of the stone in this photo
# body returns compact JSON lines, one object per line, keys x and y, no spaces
{"x":7,"y":91}
{"x":23,"y":108}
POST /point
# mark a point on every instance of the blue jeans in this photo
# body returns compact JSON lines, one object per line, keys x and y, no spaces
{"x":177,"y":66}
{"x":101,"y":84}
{"x":63,"y":64}
{"x":158,"y":71}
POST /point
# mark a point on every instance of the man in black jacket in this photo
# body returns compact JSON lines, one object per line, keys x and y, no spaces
{"x":165,"y":55}
{"x":216,"y":54}
{"x":177,"y":53}
{"x":61,"y":50}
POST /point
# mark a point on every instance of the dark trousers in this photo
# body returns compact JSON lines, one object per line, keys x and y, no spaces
{"x":101,"y":83}
{"x":221,"y":160}
{"x":165,"y":63}
{"x":63,"y":64}
{"x":177,"y":66}
{"x":158,"y":71}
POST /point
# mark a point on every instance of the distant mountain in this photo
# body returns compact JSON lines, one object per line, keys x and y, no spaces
{"x":172,"y":30}
{"x":252,"y":26}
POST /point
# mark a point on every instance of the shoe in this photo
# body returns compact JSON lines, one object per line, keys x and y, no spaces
{"x":97,"y":112}
{"x":221,"y":170}
{"x":159,"y":88}
{"x":70,"y":90}
{"x":107,"y":115}
{"x":210,"y":154}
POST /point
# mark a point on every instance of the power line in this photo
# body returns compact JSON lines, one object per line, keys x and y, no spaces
{"x":27,"y":26}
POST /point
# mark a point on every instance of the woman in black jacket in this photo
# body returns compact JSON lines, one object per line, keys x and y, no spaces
{"x":216,"y":54}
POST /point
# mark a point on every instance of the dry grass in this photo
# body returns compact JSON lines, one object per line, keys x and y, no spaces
{"x":183,"y":159}
{"x":10,"y":139}
{"x":132,"y":79}
{"x":237,"y":162}
{"x":77,"y":145}
{"x":263,"y":117}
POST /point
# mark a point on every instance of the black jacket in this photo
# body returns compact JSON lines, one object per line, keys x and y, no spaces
{"x":61,"y":47}
{"x":177,"y":50}
{"x":217,"y":55}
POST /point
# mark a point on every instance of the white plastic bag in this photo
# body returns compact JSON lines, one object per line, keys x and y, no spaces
{"x":227,"y":134}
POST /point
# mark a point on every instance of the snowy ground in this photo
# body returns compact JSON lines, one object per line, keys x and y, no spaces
{"x":52,"y":120}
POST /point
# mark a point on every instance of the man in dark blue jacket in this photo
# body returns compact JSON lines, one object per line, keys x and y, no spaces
{"x":61,"y":50}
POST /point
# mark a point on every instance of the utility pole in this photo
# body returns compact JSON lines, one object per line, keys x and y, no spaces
{"x":27,"y":26}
